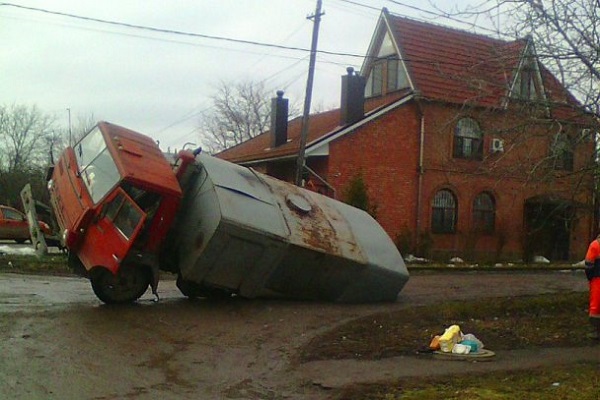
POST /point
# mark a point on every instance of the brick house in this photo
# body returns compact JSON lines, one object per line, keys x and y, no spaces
{"x":467,"y":144}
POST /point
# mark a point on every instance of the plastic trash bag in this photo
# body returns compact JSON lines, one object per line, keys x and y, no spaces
{"x":461,"y":349}
{"x":435,"y":343}
{"x":471,"y":339}
{"x":451,"y":337}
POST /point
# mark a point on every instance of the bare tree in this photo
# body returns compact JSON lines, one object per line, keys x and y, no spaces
{"x":83,"y":124}
{"x":24,"y":134}
{"x":566,"y":36}
{"x":54,"y":143}
{"x":59,"y":139}
{"x":240,"y":112}
{"x":568,"y":41}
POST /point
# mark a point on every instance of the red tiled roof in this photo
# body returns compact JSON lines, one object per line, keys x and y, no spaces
{"x":456,"y":66}
{"x":259,"y":147}
{"x":563,"y":105}
{"x":321,"y":124}
{"x":444,"y":64}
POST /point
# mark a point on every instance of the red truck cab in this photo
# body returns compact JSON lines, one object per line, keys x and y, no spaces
{"x":114,"y":196}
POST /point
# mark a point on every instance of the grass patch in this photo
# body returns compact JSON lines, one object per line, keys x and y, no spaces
{"x":573,"y":382}
{"x":55,"y":264}
{"x":553,"y":320}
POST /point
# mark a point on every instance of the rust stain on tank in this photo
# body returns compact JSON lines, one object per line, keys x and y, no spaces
{"x":319,"y":235}
{"x":314,"y":222}
{"x":314,"y":227}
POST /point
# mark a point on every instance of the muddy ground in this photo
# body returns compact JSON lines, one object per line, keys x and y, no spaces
{"x":58,"y":342}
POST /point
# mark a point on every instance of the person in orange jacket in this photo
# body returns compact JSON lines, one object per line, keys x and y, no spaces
{"x":592,"y":272}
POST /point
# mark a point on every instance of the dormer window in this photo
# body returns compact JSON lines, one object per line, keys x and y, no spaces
{"x":527,"y":83}
{"x":526,"y":86}
{"x":387,"y":72}
{"x":375,"y":81}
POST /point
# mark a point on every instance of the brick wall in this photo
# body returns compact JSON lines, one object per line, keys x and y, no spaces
{"x":386,"y":153}
{"x":383,"y":151}
{"x":508,"y":176}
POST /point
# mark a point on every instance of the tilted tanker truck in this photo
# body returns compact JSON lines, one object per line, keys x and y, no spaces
{"x":126,"y":212}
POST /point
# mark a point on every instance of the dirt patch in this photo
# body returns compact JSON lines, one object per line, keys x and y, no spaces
{"x":554,"y":320}
{"x":58,"y":341}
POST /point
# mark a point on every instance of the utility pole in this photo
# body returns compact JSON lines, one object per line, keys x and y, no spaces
{"x":308,"y":96}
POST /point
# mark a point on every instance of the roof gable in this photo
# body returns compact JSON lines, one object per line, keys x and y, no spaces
{"x":527,"y":82}
{"x":384,"y":65}
{"x":452,"y":65}
{"x":455,"y":66}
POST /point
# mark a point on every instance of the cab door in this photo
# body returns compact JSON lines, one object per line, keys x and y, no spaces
{"x":113,"y":231}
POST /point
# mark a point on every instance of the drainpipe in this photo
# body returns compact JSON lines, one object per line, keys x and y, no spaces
{"x":420,"y":172}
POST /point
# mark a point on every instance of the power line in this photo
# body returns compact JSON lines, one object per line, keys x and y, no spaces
{"x":176,"y":32}
{"x":197,"y":35}
{"x":182,"y":42}
{"x":415,"y":8}
{"x":239,"y":41}
{"x":447,"y":16}
{"x":197,"y":113}
{"x":356,"y":3}
{"x":189,"y":115}
{"x":283,"y":41}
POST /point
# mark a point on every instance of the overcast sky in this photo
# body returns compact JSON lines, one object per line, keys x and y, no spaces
{"x":160,"y":83}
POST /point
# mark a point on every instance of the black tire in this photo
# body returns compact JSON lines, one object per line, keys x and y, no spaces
{"x":76,"y":265}
{"x":20,"y":241}
{"x":126,"y":287}
{"x":187,"y":288}
{"x":193,"y":290}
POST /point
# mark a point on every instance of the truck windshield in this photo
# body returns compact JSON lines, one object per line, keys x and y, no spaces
{"x":96,"y":166}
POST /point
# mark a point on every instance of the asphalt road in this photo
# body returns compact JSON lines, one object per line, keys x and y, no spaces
{"x":59,"y":342}
{"x":31,"y":293}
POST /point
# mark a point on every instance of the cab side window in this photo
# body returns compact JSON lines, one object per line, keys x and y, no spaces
{"x":124,"y":214}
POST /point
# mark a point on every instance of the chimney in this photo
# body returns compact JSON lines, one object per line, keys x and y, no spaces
{"x":279,"y":120}
{"x":353,"y":97}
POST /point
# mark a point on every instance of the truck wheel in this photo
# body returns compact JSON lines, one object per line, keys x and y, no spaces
{"x":76,"y":265}
{"x":128,"y":285}
{"x":187,"y":288}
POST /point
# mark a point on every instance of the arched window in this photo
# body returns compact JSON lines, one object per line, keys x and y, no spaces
{"x":484,"y":213}
{"x":468,"y":141}
{"x":444,"y":211}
